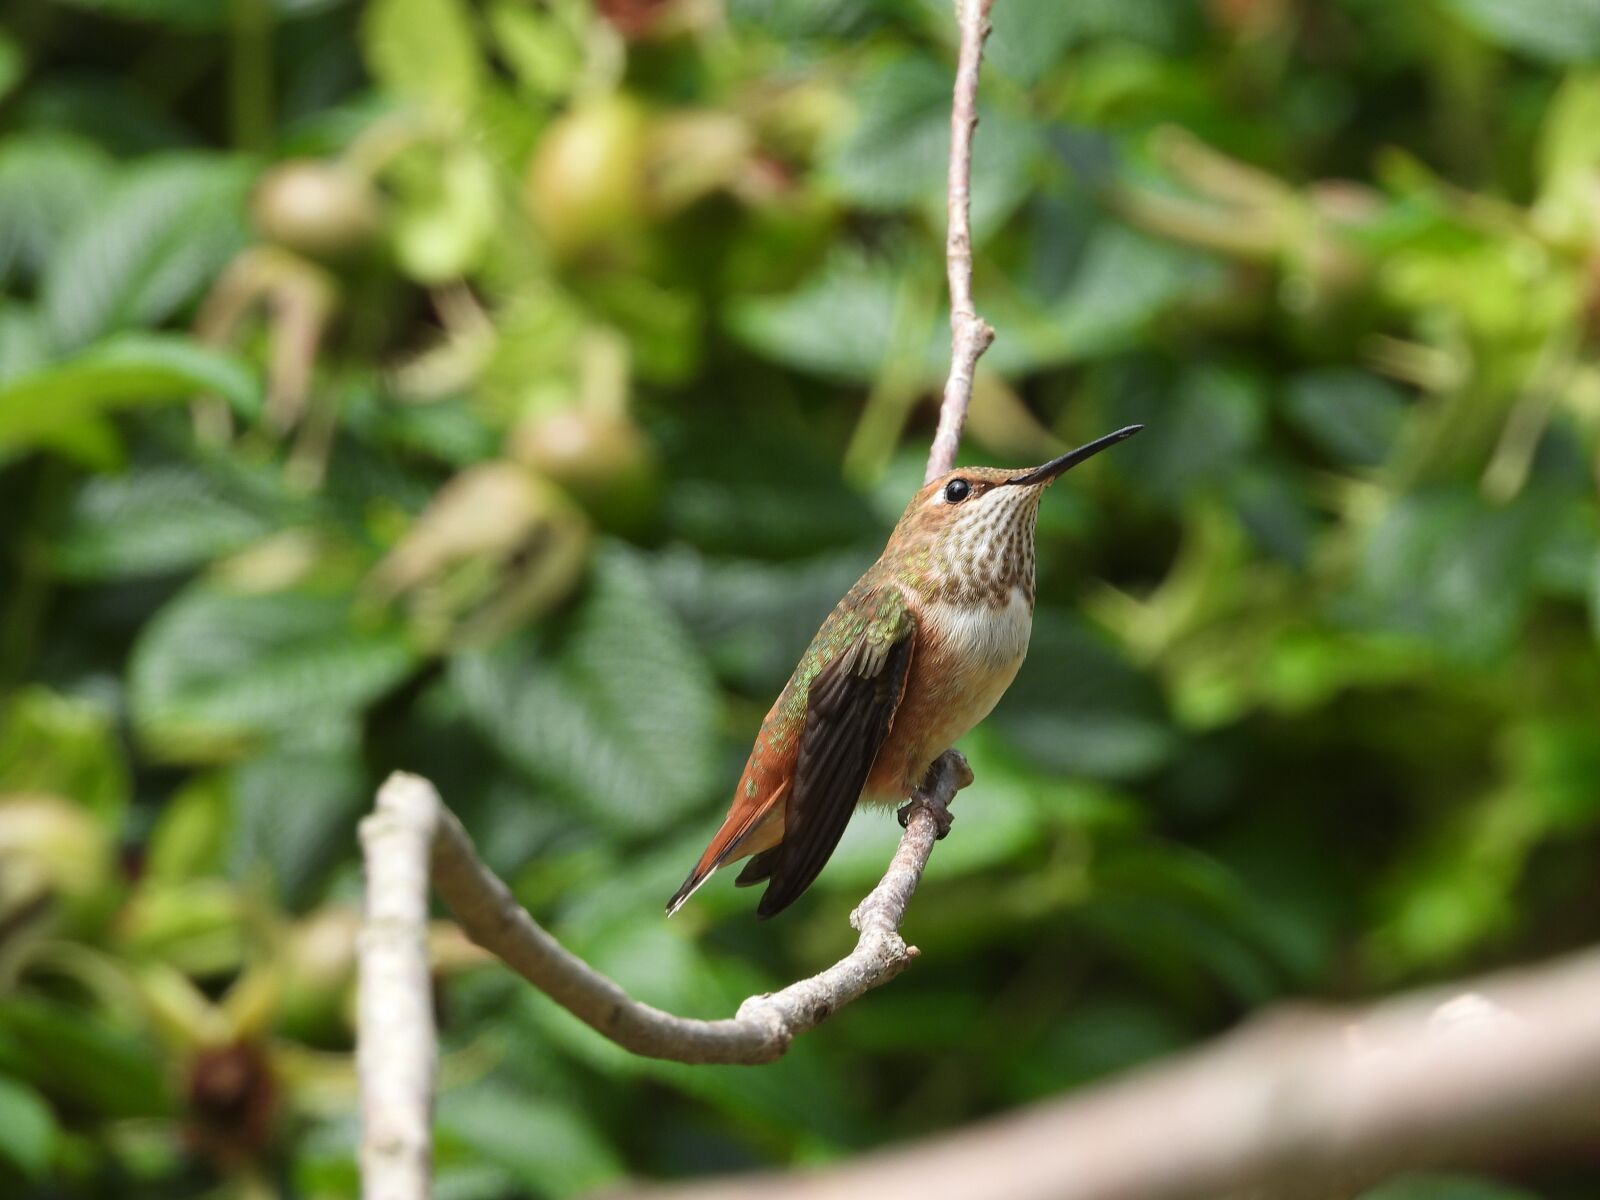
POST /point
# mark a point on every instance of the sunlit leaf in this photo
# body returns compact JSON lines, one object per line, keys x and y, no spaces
{"x":424,"y":49}
{"x":1558,"y":31}
{"x":27,"y":1129}
{"x":64,"y":746}
{"x":51,"y":405}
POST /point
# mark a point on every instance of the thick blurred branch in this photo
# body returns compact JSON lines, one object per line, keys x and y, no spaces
{"x":970,"y":334}
{"x":1298,"y":1105}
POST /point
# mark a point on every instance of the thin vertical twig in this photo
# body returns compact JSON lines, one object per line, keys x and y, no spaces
{"x":970,"y":334}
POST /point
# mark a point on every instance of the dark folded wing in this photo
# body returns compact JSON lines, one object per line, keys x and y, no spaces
{"x":849,"y":709}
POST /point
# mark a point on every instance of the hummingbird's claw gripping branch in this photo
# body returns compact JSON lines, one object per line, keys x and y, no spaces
{"x":949,"y":773}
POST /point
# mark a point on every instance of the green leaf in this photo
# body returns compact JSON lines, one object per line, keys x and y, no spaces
{"x":897,"y":155}
{"x":542,"y":1143}
{"x":63,"y":746}
{"x":1200,"y":428}
{"x":446,"y":217}
{"x":1354,"y":416}
{"x":27,"y":1129}
{"x":1448,"y":568}
{"x":1077,"y":708}
{"x":214,"y":672}
{"x":48,"y":182}
{"x":1557,"y":31}
{"x":198,"y":15}
{"x":188,"y":841}
{"x":79,"y":1058}
{"x":837,"y":323}
{"x":295,"y":811}
{"x":24,"y":346}
{"x":786,"y":21}
{"x":152,"y":520}
{"x":1125,"y":281}
{"x":12,"y":64}
{"x":1446,"y":1187}
{"x":425,"y":50}
{"x":52,"y":405}
{"x":146,"y":248}
{"x":610,"y":707}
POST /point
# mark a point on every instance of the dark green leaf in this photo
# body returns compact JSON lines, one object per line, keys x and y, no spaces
{"x":215,"y":671}
{"x":153,"y":520}
{"x":147,"y":247}
{"x":610,"y":707}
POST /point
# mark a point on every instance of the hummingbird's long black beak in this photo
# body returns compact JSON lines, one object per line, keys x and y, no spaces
{"x":1058,"y":466}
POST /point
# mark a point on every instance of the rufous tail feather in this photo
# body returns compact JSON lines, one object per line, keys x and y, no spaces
{"x":725,"y":846}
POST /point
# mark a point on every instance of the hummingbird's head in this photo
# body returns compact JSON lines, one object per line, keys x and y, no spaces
{"x":972,"y":528}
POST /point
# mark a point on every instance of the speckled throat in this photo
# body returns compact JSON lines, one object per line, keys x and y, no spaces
{"x":988,"y":551}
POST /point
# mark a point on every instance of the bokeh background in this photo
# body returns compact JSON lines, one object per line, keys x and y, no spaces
{"x":505,"y":390}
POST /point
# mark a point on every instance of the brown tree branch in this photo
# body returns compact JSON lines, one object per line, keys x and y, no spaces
{"x":970,"y":334}
{"x":1303,"y":1104}
{"x":412,"y":832}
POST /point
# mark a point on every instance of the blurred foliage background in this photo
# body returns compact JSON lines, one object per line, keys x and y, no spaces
{"x":505,"y":390}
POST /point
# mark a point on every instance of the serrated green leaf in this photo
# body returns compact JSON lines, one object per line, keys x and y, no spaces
{"x":47,"y":183}
{"x":610,"y":707}
{"x":1448,"y":568}
{"x":1077,"y":708}
{"x":146,"y":247}
{"x":1557,"y":31}
{"x":52,"y":405}
{"x":152,"y":520}
{"x":897,"y":155}
{"x":1200,"y":428}
{"x":544,"y":1145}
{"x":294,"y":810}
{"x":214,"y":671}
{"x":1352,"y":415}
{"x":27,"y":1129}
{"x":835,"y":324}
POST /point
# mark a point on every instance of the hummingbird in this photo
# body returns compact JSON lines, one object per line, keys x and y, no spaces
{"x":916,"y":654}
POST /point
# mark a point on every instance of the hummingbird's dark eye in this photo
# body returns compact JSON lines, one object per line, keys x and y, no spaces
{"x":957,"y":490}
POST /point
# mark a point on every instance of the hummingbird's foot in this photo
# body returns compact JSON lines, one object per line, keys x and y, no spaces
{"x":943,"y":818}
{"x":948,"y":775}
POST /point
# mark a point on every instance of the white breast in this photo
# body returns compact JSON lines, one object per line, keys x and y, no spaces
{"x":984,"y":637}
